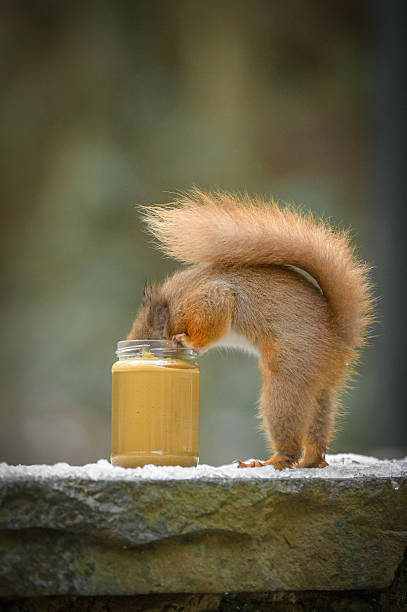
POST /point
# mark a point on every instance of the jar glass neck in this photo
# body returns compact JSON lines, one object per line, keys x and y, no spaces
{"x":162,"y":349}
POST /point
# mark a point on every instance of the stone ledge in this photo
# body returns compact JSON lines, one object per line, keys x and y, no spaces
{"x":99,"y":530}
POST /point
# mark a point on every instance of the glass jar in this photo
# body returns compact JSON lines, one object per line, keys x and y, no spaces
{"x":155,"y":404}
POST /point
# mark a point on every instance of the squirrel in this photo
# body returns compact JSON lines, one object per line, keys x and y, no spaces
{"x":247,"y":289}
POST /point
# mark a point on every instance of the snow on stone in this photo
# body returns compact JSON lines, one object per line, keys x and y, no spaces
{"x":341,"y":466}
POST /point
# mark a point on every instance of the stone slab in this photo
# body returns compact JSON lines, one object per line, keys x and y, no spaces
{"x":100,"y":530}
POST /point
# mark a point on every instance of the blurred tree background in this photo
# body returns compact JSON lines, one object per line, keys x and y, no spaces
{"x":108,"y":104}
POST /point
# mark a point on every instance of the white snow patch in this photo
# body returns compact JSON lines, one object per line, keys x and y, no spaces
{"x":342,"y":466}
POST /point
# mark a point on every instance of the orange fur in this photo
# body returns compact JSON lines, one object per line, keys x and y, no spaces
{"x":243,"y":281}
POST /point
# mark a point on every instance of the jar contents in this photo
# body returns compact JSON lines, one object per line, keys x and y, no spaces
{"x":155,"y":405}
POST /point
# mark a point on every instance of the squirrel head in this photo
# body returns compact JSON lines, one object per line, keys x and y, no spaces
{"x":152,"y":319}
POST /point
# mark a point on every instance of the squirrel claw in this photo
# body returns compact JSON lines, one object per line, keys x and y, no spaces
{"x":276,"y":461}
{"x":179,"y":340}
{"x":317,"y":463}
{"x":252,"y":464}
{"x":183,"y":340}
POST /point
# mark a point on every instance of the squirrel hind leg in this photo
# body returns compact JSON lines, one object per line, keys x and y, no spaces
{"x":295,"y":411}
{"x":285,"y":406}
{"x":320,"y":430}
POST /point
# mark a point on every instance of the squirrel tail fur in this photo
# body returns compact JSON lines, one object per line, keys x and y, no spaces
{"x":221,"y":228}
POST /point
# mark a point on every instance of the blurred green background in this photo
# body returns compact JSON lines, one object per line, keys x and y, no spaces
{"x":108,"y":104}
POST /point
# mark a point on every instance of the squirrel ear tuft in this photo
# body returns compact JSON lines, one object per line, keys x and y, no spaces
{"x":147,"y":292}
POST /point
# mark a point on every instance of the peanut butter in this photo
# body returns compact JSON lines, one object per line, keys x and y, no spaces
{"x":155,"y":411}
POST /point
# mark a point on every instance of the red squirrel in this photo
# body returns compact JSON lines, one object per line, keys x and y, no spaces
{"x":245,"y":289}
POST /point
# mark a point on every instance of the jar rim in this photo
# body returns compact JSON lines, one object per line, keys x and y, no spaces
{"x":159,"y":348}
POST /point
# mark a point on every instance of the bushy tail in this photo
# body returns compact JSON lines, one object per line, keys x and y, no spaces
{"x":225,"y":229}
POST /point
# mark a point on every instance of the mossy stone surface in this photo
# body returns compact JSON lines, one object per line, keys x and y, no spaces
{"x":71,"y":536}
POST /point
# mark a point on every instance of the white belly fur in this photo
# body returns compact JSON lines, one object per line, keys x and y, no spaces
{"x":233,"y":340}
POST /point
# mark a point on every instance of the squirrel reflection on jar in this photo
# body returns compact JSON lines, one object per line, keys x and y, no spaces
{"x":246,"y":289}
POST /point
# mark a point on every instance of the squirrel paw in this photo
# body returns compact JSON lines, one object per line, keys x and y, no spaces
{"x":277,"y":461}
{"x":252,"y":464}
{"x":318,"y":463}
{"x":185,"y":341}
{"x":181,"y":340}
